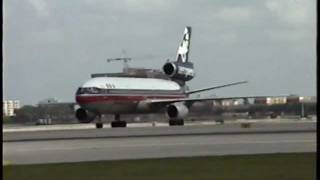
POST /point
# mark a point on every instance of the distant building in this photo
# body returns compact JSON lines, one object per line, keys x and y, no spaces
{"x":308,"y":99}
{"x":9,"y":106}
{"x":276,"y":100}
{"x":232,"y":102}
{"x":291,"y":99}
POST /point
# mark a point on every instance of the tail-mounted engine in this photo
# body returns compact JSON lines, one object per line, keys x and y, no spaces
{"x":179,"y":71}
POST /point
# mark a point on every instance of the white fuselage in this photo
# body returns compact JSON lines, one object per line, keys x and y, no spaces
{"x":125,"y":94}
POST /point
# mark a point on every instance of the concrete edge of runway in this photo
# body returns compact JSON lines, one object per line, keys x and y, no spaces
{"x":157,"y":132}
{"x":58,"y":127}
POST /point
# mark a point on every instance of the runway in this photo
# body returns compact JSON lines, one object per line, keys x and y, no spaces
{"x":136,"y":143}
{"x":155,"y":147}
{"x":137,"y":130}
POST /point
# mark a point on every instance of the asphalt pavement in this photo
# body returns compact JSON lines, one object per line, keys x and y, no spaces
{"x":156,"y":142}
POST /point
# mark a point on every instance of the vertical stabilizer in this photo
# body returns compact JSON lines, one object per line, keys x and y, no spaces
{"x":181,"y":70}
{"x":183,"y":50}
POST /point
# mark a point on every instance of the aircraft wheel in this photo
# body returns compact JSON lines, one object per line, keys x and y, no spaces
{"x":176,"y":122}
{"x":118,"y":124}
{"x":114,"y":124}
{"x":99,"y":125}
{"x":273,"y":115}
{"x":180,"y":122}
{"x":123,"y":124}
{"x":172,"y":122}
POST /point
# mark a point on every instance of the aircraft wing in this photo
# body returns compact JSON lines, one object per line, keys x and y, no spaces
{"x":192,"y":100}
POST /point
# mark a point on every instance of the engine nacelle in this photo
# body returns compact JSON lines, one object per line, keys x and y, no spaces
{"x":179,"y":71}
{"x":84,"y":116}
{"x":177,"y":111}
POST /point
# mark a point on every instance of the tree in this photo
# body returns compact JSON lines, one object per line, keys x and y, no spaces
{"x":6,"y":119}
{"x":26,"y":113}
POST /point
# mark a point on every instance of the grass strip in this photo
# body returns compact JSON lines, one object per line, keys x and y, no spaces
{"x":291,"y":166}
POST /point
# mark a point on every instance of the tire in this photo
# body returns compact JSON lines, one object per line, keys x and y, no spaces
{"x":172,"y":122}
{"x":176,"y":122}
{"x":123,"y":124}
{"x":99,"y":125}
{"x":273,"y":115}
{"x":115,"y":124}
{"x":180,"y":122}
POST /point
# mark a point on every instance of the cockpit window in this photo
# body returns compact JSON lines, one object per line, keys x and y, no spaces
{"x":89,"y":90}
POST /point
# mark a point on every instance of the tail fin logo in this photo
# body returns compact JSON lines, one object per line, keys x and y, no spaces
{"x":183,"y":50}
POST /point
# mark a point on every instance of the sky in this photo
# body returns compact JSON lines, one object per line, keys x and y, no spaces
{"x":52,"y":46}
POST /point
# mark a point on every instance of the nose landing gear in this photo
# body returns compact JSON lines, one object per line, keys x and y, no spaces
{"x":99,"y":124}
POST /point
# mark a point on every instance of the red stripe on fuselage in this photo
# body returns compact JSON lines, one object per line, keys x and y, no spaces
{"x":104,"y":98}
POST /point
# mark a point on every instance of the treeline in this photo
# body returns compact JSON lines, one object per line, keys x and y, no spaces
{"x":58,"y":113}
{"x":64,"y":113}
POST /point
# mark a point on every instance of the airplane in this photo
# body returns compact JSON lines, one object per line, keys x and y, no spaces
{"x":130,"y":95}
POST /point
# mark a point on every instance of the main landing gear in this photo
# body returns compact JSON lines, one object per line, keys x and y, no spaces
{"x":99,"y":124}
{"x":117,"y":122}
{"x":176,"y":122}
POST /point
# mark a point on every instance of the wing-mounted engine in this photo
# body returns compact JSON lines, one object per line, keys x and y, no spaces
{"x":177,"y":111}
{"x":179,"y":71}
{"x":84,"y":116}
